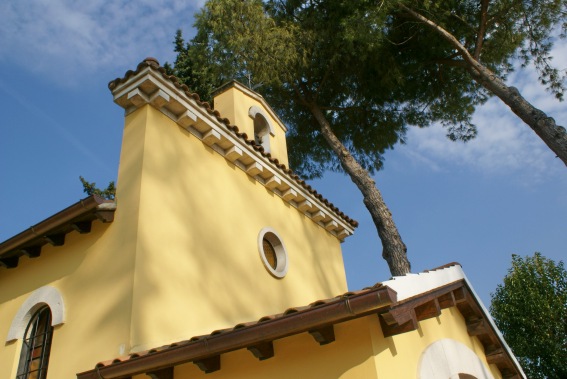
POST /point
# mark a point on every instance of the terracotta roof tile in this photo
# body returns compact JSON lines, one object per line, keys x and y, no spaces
{"x":378,"y":294}
{"x":154,"y":64}
{"x":240,"y":326}
{"x":444,"y":266}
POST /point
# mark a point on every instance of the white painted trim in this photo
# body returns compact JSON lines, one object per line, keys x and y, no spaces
{"x":281,"y":253}
{"x":254,"y":110}
{"x":42,"y":296}
{"x":447,"y":358}
{"x":411,"y":285}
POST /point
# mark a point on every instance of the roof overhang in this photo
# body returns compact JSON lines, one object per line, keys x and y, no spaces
{"x":77,"y":217}
{"x":396,"y":316}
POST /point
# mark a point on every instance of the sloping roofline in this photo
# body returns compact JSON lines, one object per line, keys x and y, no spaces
{"x":52,"y":230}
{"x":441,"y":288}
{"x":150,"y":84}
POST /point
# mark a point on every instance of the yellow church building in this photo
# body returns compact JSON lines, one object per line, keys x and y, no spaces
{"x":217,"y":261}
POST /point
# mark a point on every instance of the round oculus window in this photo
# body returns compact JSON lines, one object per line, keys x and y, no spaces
{"x":272,"y":252}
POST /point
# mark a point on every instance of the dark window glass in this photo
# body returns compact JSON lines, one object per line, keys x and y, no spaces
{"x":270,"y":253}
{"x":36,"y":346}
{"x":261,"y":131}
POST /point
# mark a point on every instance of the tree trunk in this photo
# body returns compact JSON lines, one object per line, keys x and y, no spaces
{"x":394,"y":250}
{"x":554,"y":136}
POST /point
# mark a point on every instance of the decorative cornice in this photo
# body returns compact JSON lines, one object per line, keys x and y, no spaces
{"x":150,"y":85}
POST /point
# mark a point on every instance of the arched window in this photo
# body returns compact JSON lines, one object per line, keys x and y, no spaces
{"x":36,"y":346}
{"x":263,"y":129}
{"x":46,"y":295}
{"x":262,"y":132}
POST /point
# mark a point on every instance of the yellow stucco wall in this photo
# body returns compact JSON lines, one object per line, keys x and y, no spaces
{"x":94,"y":276}
{"x":180,"y":259}
{"x":359,"y":351}
{"x":198,"y":266}
{"x":408,"y":347}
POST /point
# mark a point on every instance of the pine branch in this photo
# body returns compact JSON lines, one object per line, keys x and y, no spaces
{"x":481,"y":29}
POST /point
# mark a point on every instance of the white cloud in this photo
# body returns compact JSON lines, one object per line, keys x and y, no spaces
{"x":69,"y":40}
{"x":504,"y":144}
{"x":83,"y":37}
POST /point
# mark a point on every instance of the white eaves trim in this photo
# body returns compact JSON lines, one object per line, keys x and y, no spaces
{"x":411,"y":285}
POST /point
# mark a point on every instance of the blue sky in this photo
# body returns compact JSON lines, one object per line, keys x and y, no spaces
{"x":477,"y":203}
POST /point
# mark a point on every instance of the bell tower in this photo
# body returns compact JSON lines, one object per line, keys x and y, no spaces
{"x":254,"y":116}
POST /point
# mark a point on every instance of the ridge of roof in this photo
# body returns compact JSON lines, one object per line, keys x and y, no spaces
{"x":408,"y":285}
{"x":153,"y":64}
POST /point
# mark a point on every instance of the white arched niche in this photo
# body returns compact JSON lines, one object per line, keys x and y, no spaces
{"x":47,"y":295}
{"x":450,"y":359}
{"x":263,"y":128}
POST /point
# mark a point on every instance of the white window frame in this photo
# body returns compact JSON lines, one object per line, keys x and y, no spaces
{"x":255,"y":112}
{"x":46,"y":295}
{"x":282,"y":261}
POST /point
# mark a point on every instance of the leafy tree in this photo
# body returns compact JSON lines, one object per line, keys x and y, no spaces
{"x":530,"y":308}
{"x":89,"y":188}
{"x":349,"y":77}
{"x":336,"y":120}
{"x":480,"y":39}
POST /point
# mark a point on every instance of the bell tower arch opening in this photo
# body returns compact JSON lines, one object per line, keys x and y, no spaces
{"x":262,"y":127}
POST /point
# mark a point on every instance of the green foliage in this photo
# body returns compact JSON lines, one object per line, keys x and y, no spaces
{"x":512,"y":29}
{"x":89,"y":188}
{"x":299,"y":55}
{"x":367,"y":64}
{"x":530,"y":308}
{"x":235,"y":40}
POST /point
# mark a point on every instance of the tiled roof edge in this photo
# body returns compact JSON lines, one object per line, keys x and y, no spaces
{"x":293,"y":321}
{"x":411,"y":284}
{"x":154,"y":64}
{"x":380,"y":298}
{"x":87,"y":209}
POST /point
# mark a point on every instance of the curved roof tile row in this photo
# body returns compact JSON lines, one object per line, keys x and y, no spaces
{"x":154,"y":64}
{"x":289,"y":311}
{"x":241,"y":326}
